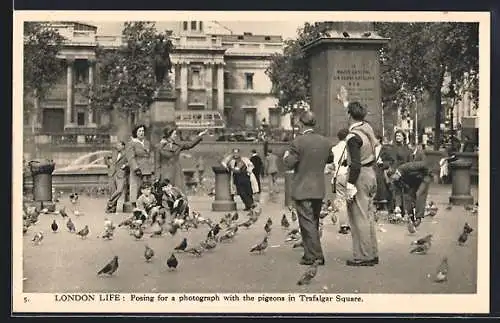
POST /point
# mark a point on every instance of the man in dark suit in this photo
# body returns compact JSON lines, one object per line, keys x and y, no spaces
{"x":117,"y":164}
{"x":307,"y":156}
{"x":258,"y":167}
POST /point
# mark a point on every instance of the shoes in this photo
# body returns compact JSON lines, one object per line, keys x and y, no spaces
{"x":362,"y":263}
{"x":308,"y":262}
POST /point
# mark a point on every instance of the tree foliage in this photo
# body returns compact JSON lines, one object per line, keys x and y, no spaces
{"x":127,"y":79}
{"x":413,"y":62}
{"x":289,"y":71}
{"x":42,"y":69}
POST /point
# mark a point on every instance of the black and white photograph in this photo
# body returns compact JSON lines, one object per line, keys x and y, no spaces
{"x":251,"y":162}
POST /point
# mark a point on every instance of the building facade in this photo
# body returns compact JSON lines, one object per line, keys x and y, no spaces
{"x":212,"y":70}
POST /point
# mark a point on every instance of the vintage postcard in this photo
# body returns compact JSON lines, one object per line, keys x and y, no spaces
{"x":251,"y":162}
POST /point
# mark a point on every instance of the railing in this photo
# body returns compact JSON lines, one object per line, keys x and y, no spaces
{"x":73,"y":139}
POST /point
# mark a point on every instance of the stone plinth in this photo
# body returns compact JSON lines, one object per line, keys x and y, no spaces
{"x":288,"y":188}
{"x":41,"y":171}
{"x":223,"y":202}
{"x":345,"y":65}
{"x":461,"y":184}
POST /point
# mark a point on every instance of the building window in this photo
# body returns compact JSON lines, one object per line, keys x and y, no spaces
{"x":249,"y":81}
{"x":274,"y":118}
{"x":80,"y":118}
{"x":201,"y":25}
{"x":81,"y":68}
{"x":195,"y":77}
{"x":193,"y":25}
{"x":185,"y":25}
{"x":240,"y":37}
{"x":226,"y":80}
{"x":250,"y":118}
{"x":267,"y":38}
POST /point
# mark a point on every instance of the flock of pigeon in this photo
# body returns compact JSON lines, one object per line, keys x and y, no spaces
{"x":223,"y":231}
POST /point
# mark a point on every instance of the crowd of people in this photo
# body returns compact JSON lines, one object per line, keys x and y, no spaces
{"x":367,"y":174}
{"x":152,"y":174}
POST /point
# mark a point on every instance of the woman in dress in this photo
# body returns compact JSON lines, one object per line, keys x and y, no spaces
{"x":167,"y":156}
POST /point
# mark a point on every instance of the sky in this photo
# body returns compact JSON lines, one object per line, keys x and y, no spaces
{"x":286,"y":29}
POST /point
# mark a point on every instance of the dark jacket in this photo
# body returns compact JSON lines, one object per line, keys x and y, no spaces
{"x":115,"y":165}
{"x":308,"y":155}
{"x":413,"y":173}
{"x":258,"y":165}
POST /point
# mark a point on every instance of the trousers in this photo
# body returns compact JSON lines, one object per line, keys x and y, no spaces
{"x":417,"y":197}
{"x":360,"y":212}
{"x":308,"y":213}
{"x":244,"y":189}
{"x":118,"y":188}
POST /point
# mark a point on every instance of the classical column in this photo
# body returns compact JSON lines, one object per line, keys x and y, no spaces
{"x":220,"y":87}
{"x":90,"y":114}
{"x":208,"y":85}
{"x":184,"y":86}
{"x":69,"y":92}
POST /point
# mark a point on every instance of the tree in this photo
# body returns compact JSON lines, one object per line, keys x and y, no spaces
{"x":129,"y":76}
{"x":289,"y":72}
{"x":413,"y":62}
{"x":419,"y":55}
{"x":42,"y":68}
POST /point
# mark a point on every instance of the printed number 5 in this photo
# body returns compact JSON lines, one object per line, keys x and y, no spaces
{"x":26,"y":300}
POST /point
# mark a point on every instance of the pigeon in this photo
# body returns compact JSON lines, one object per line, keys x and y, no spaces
{"x":298,"y":244}
{"x":293,"y":213}
{"x":138,"y":233}
{"x":70,"y":225}
{"x":462,"y":238}
{"x":54,"y":226}
{"x":63,"y":213}
{"x":345,"y":34}
{"x":173,"y":229}
{"x":269,"y":221}
{"x":194,"y":251}
{"x":449,"y":207}
{"x":110,"y":268}
{"x":308,"y":275}
{"x":442,"y":271}
{"x":25,"y":229}
{"x":284,"y":222}
{"x":261,"y":246}
{"x":422,"y":241}
{"x":108,"y":234}
{"x":235,"y":217}
{"x":468,"y":207}
{"x":214,"y":231}
{"x":293,"y":232}
{"x":148,"y":253}
{"x":157,"y":230}
{"x":37,"y":239}
{"x":182,"y":246}
{"x":172,"y":262}
{"x":227,"y":235}
{"x":84,"y":232}
{"x":422,"y":245}
{"x":209,"y":244}
{"x":267,"y":228}
{"x":246,"y":224}
{"x":467,"y":228}
{"x":411,"y":227}
{"x":127,"y":222}
{"x":73,"y":197}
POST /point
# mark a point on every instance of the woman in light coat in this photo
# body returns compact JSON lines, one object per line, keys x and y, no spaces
{"x":167,"y":156}
{"x":140,"y":161}
{"x":243,"y":181}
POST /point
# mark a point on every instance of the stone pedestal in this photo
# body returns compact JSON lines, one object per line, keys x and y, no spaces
{"x":223,"y":202}
{"x":41,"y":171}
{"x":345,"y":68}
{"x":288,"y":187}
{"x":461,"y":186}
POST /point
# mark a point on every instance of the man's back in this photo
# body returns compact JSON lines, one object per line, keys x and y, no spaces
{"x":309,"y":154}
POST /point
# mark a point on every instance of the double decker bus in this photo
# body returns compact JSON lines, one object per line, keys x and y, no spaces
{"x":189,"y":123}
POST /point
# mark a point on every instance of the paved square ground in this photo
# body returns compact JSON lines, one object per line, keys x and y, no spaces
{"x":66,"y":263}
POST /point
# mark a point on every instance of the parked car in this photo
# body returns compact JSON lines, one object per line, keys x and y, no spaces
{"x":238,"y":136}
{"x":94,"y":161}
